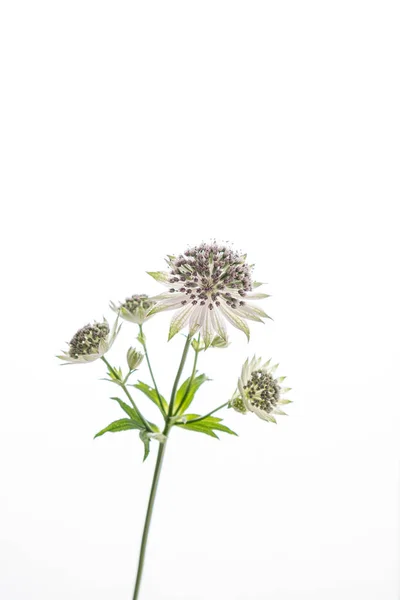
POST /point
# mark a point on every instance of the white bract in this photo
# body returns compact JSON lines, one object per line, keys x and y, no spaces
{"x":259,"y":391}
{"x":91,"y":342}
{"x":135,"y":309}
{"x":208,"y":285}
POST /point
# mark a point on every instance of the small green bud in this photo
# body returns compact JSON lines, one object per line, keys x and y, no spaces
{"x":219,"y":342}
{"x":134,"y":358}
{"x":238,"y":405}
{"x":198,"y":346}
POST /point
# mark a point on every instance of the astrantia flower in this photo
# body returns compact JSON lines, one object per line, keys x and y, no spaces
{"x":259,"y":391}
{"x":135,"y":308}
{"x":91,"y":342}
{"x":208,"y":284}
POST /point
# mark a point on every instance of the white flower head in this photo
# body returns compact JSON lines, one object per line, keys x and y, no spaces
{"x":135,"y":309}
{"x":259,"y":391}
{"x":208,"y":285}
{"x":91,"y":342}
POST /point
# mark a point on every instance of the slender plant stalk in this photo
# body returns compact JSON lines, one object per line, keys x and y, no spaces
{"x":157,"y":471}
{"x":196,"y":354}
{"x":149,"y":513}
{"x":145,"y":423}
{"x":150,"y":369}
{"x":178,"y":375}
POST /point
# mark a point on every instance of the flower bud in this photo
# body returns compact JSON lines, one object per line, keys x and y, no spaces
{"x":134,"y":358}
{"x":219,"y":342}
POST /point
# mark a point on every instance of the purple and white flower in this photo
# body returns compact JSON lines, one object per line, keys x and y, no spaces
{"x":209,"y":285}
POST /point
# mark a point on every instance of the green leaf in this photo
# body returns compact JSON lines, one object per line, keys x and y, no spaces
{"x":133,"y":414}
{"x":186,"y":392}
{"x":130,"y":411}
{"x":208,"y":425}
{"x":146,"y":442}
{"x":198,"y":427}
{"x":152,"y":394}
{"x":120,"y":425}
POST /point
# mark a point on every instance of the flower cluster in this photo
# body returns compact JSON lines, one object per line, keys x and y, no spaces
{"x":90,"y":343}
{"x":259,"y":391}
{"x":209,"y":285}
{"x":135,"y":309}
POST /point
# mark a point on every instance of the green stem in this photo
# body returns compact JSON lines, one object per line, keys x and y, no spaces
{"x":157,"y":471}
{"x":190,"y":382}
{"x":150,"y":369}
{"x":112,"y":370}
{"x":178,"y":376}
{"x":146,"y":528}
{"x":207,"y":415}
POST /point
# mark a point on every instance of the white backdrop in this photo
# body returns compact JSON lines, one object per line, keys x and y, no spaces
{"x":131,"y":130}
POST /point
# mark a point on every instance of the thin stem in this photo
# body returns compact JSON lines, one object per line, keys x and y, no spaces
{"x":157,"y":471}
{"x":143,"y":341}
{"x":112,"y":370}
{"x":190,"y":382}
{"x":146,"y":528}
{"x":205,"y":416}
{"x":178,"y":376}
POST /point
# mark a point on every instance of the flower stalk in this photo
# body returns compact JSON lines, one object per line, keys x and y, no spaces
{"x":142,"y":338}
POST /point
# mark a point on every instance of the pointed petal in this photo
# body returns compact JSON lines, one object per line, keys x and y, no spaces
{"x":247,"y":313}
{"x":255,"y":310}
{"x":235,"y":320}
{"x":160,"y":276}
{"x":195,"y":320}
{"x":179,"y":320}
{"x":219,"y":324}
{"x":256,"y":296}
{"x":278,"y":411}
{"x":170,"y":304}
{"x":207,"y":329}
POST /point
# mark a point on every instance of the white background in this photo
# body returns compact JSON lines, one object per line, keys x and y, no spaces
{"x":130,"y":130}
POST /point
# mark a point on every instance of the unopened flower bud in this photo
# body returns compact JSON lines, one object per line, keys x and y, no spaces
{"x":134,"y":358}
{"x":238,"y":405}
{"x":219,"y":342}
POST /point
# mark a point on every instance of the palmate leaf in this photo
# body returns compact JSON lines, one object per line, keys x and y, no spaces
{"x":185,"y":394}
{"x":208,"y":425}
{"x":152,"y":394}
{"x":120,"y":425}
{"x":130,"y":411}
